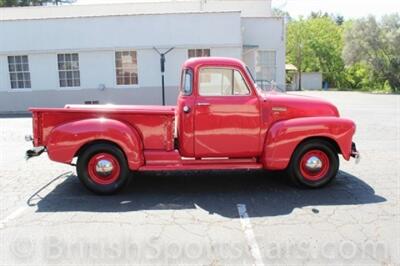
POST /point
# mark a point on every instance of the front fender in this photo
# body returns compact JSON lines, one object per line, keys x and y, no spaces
{"x":284,"y":136}
{"x":67,"y":139}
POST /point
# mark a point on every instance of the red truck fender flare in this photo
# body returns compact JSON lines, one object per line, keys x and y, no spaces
{"x":66,"y":140}
{"x":284,"y":136}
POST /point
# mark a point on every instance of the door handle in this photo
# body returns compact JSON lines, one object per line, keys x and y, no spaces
{"x":203,"y":104}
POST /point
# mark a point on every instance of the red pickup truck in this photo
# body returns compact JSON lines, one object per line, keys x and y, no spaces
{"x":222,"y":121}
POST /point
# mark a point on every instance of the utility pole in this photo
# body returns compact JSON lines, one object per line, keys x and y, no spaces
{"x":162,"y":64}
{"x":299,"y":62}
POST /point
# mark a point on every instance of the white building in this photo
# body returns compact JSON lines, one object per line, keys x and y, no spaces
{"x":51,"y":56}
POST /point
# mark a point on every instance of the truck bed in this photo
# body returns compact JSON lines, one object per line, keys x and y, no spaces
{"x":154,"y":123}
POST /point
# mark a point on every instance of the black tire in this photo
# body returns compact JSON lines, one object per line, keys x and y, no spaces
{"x":299,"y":174}
{"x":88,"y":178}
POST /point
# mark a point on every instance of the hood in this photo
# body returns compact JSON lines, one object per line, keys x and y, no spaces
{"x":287,"y":106}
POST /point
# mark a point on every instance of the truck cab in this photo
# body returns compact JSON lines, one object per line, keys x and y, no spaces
{"x":222,"y":121}
{"x":219,"y":110}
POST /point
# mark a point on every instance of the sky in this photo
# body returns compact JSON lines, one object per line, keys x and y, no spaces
{"x":346,"y":8}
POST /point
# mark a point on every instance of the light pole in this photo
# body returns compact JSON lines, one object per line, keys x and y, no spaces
{"x":162,"y":64}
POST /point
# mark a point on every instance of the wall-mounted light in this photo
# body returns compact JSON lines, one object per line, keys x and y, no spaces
{"x":102,"y":87}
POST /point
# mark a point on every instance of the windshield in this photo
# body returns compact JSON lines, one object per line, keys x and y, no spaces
{"x":251,"y":75}
{"x":266,"y":85}
{"x":253,"y":79}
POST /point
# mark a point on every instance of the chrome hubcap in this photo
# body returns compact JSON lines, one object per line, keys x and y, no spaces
{"x":104,"y":167}
{"x":314,"y":163}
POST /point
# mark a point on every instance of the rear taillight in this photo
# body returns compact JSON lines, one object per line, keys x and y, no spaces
{"x":37,"y":136}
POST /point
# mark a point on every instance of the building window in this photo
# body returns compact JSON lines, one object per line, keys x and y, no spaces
{"x":266,"y":66}
{"x":126,"y":67}
{"x":68,"y":70}
{"x":198,"y":53}
{"x":18,"y":67}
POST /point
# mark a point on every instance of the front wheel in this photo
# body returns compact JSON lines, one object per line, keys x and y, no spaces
{"x":102,"y":168}
{"x":314,"y":164}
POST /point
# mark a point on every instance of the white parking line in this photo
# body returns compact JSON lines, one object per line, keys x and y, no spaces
{"x":12,"y":215}
{"x":249,"y":233}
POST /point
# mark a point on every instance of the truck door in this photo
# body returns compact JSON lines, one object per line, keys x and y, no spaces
{"x":185,"y":115}
{"x":227,"y":115}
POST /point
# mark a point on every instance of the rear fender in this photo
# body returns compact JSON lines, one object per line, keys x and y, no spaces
{"x":284,"y":136}
{"x":67,"y":139}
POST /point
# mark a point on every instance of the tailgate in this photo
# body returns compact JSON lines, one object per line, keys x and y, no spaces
{"x":37,"y":128}
{"x":45,"y":119}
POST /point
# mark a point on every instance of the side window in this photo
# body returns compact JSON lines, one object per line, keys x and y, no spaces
{"x":221,"y":82}
{"x":239,"y":85}
{"x":186,"y":86}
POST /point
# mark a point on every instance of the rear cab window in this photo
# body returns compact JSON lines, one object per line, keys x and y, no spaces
{"x":187,"y":82}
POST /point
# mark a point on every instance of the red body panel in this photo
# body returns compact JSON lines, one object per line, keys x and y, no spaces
{"x":65,"y":140}
{"x":185,"y":126}
{"x":286,"y":135}
{"x":154,"y":123}
{"x":227,"y":127}
{"x":259,"y":130}
{"x":63,"y":131}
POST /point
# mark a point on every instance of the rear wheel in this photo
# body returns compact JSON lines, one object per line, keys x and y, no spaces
{"x":314,"y":164}
{"x":102,"y":168}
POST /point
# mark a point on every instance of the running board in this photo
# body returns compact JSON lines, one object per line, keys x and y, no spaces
{"x":172,"y":161}
{"x":188,"y":167}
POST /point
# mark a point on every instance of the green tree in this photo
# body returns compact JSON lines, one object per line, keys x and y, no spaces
{"x":296,"y":45}
{"x":315,"y":44}
{"x":339,"y":20}
{"x":358,"y":76}
{"x":318,"y":14}
{"x":12,"y":3}
{"x":376,"y":44}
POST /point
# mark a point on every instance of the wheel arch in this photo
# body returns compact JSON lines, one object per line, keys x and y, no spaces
{"x":329,"y":140}
{"x":95,"y":142}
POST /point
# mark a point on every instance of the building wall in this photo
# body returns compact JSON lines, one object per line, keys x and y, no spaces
{"x":266,"y":34}
{"x":97,"y":68}
{"x":249,"y":8}
{"x":96,"y":39}
{"x":311,"y":80}
{"x":4,"y":76}
{"x":139,"y":31}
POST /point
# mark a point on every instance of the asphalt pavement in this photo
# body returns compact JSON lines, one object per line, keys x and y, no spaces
{"x":208,"y":218}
